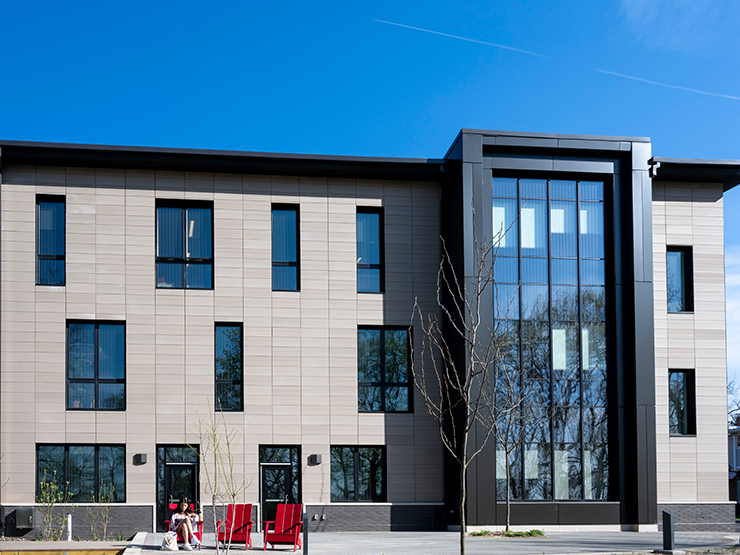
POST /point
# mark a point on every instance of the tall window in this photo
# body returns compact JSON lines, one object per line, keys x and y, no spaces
{"x":86,"y":472}
{"x":185,"y":245}
{"x":680,"y":277}
{"x":229,"y":375}
{"x":681,"y":403}
{"x":50,"y":246}
{"x":285,"y":248}
{"x":550,"y":301}
{"x":96,"y":365}
{"x":370,"y":256}
{"x":358,"y":474}
{"x":383,"y":370}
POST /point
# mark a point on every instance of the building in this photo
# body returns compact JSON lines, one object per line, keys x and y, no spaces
{"x":139,"y":284}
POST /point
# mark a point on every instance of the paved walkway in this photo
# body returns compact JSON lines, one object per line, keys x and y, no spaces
{"x":447,"y":543}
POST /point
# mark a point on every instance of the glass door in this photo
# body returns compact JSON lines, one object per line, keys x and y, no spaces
{"x":177,"y":477}
{"x":275,"y":488}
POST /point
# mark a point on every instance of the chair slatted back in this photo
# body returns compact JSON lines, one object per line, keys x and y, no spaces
{"x":287,"y":517}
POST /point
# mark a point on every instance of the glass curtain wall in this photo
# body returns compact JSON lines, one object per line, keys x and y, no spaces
{"x":550,"y":299}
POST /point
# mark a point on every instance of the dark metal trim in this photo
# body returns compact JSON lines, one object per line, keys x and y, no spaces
{"x":691,"y":170}
{"x":220,"y":161}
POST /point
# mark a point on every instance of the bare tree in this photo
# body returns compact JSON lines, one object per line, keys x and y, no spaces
{"x":459,"y":355}
{"x":216,"y":452}
{"x":733,"y":402}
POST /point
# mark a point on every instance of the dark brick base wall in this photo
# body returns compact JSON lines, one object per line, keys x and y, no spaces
{"x":700,"y":517}
{"x":125,"y":520}
{"x":359,"y":518}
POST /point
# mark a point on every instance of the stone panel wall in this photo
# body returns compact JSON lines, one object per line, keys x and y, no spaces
{"x":700,"y":517}
{"x":125,"y":520}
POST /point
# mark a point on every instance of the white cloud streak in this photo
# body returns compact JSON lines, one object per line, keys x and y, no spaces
{"x":615,"y":74}
{"x":463,"y":38}
{"x":688,"y":89}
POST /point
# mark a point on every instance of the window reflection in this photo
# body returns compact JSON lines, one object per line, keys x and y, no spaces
{"x":551,"y":277}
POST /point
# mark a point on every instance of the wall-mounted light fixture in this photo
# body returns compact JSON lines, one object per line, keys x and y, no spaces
{"x":314,"y":460}
{"x":139,"y":459}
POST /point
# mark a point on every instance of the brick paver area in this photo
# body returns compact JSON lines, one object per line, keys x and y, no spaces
{"x":447,"y":543}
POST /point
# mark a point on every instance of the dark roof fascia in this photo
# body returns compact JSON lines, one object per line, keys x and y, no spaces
{"x":219,"y":161}
{"x":688,"y":170}
{"x":522,"y":134}
{"x":544,"y":143}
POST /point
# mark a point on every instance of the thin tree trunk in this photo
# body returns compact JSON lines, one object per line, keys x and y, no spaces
{"x":508,"y":489}
{"x":463,"y":468}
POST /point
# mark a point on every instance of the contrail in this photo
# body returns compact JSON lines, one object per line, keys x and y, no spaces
{"x":687,"y":89}
{"x":462,"y":38}
{"x":697,"y":91}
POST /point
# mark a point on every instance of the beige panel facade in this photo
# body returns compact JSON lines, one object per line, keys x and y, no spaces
{"x":691,"y":469}
{"x":300,"y":348}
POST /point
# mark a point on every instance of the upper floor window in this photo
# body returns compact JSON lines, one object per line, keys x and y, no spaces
{"x":185,"y":245}
{"x":50,"y":239}
{"x":229,"y":374}
{"x":370,"y":256}
{"x":96,"y":365}
{"x":358,"y":473}
{"x":84,"y":473}
{"x":680,"y":278}
{"x":383,"y":370}
{"x":681,"y":404}
{"x":285,"y":248}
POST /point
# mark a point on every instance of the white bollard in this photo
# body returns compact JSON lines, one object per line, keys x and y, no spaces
{"x":69,"y":528}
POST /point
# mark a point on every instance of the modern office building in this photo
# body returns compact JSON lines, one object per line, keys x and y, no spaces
{"x":143,"y":288}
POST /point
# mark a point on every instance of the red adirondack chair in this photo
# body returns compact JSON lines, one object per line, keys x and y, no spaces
{"x":197,"y":530}
{"x":286,"y":528}
{"x":237,"y":526}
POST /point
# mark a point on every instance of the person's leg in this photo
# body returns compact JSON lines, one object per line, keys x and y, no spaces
{"x":185,"y":531}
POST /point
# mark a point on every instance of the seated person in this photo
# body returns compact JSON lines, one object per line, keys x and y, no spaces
{"x":183,"y":522}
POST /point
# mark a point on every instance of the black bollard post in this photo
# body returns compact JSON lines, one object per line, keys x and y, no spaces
{"x":305,"y":533}
{"x":668,"y":543}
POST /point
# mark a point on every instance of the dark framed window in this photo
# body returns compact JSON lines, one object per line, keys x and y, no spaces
{"x":286,"y":274}
{"x":383,"y":376}
{"x":229,"y":367}
{"x":681,"y":403}
{"x":50,"y":241}
{"x":370,"y":250}
{"x":184,"y":245}
{"x":358,"y":474}
{"x":96,"y":365}
{"x":680,"y":279}
{"x":85,"y":472}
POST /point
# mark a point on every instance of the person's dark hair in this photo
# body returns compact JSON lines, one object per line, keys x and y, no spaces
{"x":188,"y":510}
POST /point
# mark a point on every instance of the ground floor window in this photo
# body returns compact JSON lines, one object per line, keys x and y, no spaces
{"x":358,"y":473}
{"x":85,"y":472}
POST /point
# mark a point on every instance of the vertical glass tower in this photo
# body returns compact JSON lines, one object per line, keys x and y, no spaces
{"x":549,"y":271}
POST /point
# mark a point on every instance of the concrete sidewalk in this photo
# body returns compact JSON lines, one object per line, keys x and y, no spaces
{"x":447,"y":543}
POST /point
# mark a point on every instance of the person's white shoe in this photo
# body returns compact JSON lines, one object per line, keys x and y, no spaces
{"x":194,"y":541}
{"x":187,"y":547}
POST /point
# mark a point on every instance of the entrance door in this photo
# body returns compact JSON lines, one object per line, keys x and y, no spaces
{"x":276,"y":488}
{"x":177,"y":477}
{"x":179,"y":482}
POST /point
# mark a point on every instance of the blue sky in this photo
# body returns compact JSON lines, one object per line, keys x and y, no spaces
{"x":377,"y":78}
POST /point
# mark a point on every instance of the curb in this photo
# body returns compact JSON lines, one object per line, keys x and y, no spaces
{"x":134,"y":548}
